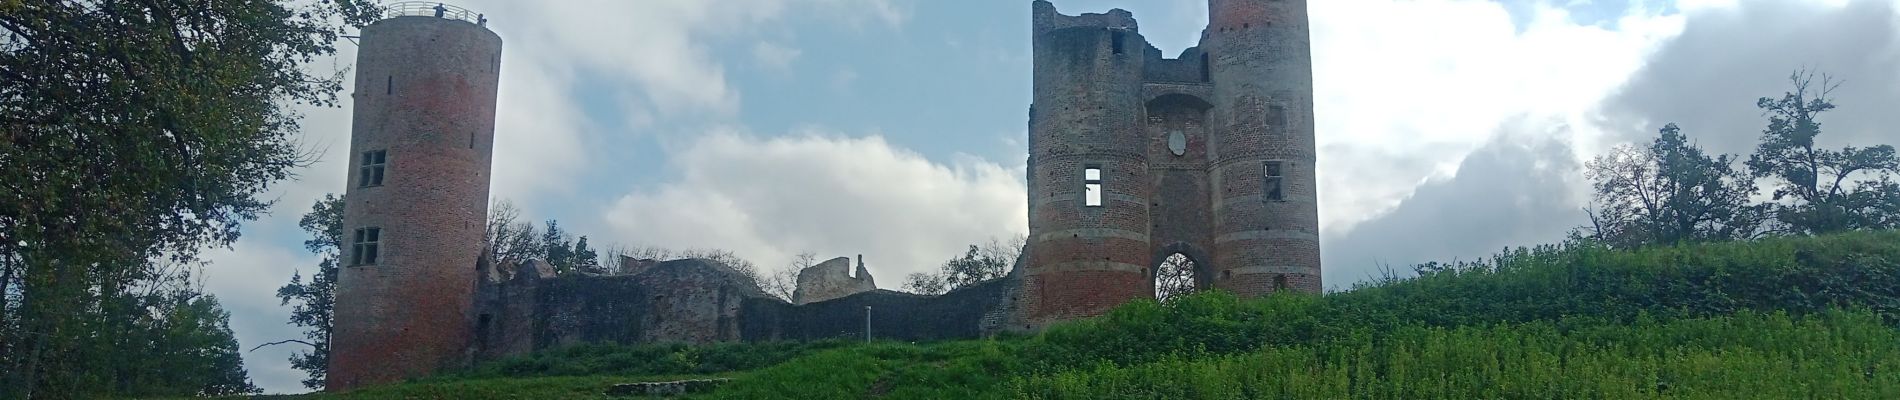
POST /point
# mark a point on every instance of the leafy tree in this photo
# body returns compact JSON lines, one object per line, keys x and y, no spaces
{"x":554,"y":245}
{"x":567,"y":254}
{"x":980,"y":263}
{"x":1822,"y":190}
{"x":316,"y":299}
{"x":585,"y":259}
{"x":509,"y":240}
{"x":1668,"y":193}
{"x":925,"y":283}
{"x":160,"y":337}
{"x":201,"y":354}
{"x":134,"y":132}
{"x":782,"y":282}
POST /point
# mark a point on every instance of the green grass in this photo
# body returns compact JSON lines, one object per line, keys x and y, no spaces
{"x":1745,"y":356}
{"x":1778,"y":318}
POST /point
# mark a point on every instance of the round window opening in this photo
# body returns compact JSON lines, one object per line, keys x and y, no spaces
{"x":1177,"y":143}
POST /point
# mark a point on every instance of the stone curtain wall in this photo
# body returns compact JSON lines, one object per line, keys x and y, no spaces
{"x":894,"y":315}
{"x":695,"y":301}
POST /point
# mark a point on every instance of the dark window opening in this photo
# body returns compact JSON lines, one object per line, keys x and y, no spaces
{"x":389,"y":84}
{"x":1275,"y":181}
{"x":366,"y":246}
{"x":370,"y":170}
{"x":1092,"y":186}
{"x":471,"y":139}
{"x":1279,"y":283}
{"x":1116,"y":38}
{"x":1276,"y":118}
{"x":1206,"y":74}
{"x":371,"y":167}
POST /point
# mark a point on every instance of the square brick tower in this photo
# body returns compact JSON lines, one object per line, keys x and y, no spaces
{"x":420,"y":149}
{"x":1134,"y":157}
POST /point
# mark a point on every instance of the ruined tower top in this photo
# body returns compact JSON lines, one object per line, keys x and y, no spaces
{"x":1045,"y":18}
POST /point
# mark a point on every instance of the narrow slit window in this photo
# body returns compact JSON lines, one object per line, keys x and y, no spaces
{"x":389,"y":84}
{"x":1275,"y":181}
{"x":1092,"y":187}
{"x":1276,"y":118}
{"x":471,"y":139}
{"x":1116,"y":40}
{"x":371,"y":170}
{"x":366,"y":246}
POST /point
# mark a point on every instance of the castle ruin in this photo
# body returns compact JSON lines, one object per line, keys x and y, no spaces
{"x":1133,"y":157}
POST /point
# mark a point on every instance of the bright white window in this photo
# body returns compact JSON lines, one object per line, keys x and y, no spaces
{"x":1092,"y":187}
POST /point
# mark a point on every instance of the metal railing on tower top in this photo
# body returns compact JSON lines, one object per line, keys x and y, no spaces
{"x":433,"y":9}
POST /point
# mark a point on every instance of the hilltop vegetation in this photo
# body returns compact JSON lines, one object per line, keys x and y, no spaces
{"x":1773,"y":318}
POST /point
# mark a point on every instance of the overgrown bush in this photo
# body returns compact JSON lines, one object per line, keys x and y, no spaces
{"x":647,"y":360}
{"x":1799,"y":275}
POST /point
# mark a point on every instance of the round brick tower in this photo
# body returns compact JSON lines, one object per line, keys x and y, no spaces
{"x":1090,"y":250}
{"x":1266,"y":213}
{"x":420,"y":150}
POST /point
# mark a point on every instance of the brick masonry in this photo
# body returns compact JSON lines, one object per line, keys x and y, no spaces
{"x":1104,"y":98}
{"x":425,"y":94}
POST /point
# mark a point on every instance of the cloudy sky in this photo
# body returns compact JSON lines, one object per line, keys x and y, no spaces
{"x":895,"y":128}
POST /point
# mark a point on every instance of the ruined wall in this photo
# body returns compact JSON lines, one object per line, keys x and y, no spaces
{"x":695,"y":301}
{"x":425,"y":96}
{"x":830,"y":280}
{"x":894,"y":315}
{"x":679,"y":301}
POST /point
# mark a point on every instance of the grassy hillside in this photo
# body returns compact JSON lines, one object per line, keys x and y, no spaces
{"x":1778,"y":318}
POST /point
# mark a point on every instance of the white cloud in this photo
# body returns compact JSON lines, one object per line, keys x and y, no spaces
{"x":768,"y":199}
{"x":540,"y":133}
{"x":659,"y":51}
{"x":774,"y":56}
{"x":1405,"y":89}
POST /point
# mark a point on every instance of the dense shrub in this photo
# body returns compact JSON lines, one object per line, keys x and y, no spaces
{"x":1799,"y":275}
{"x":647,"y":360}
{"x":952,"y":370}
